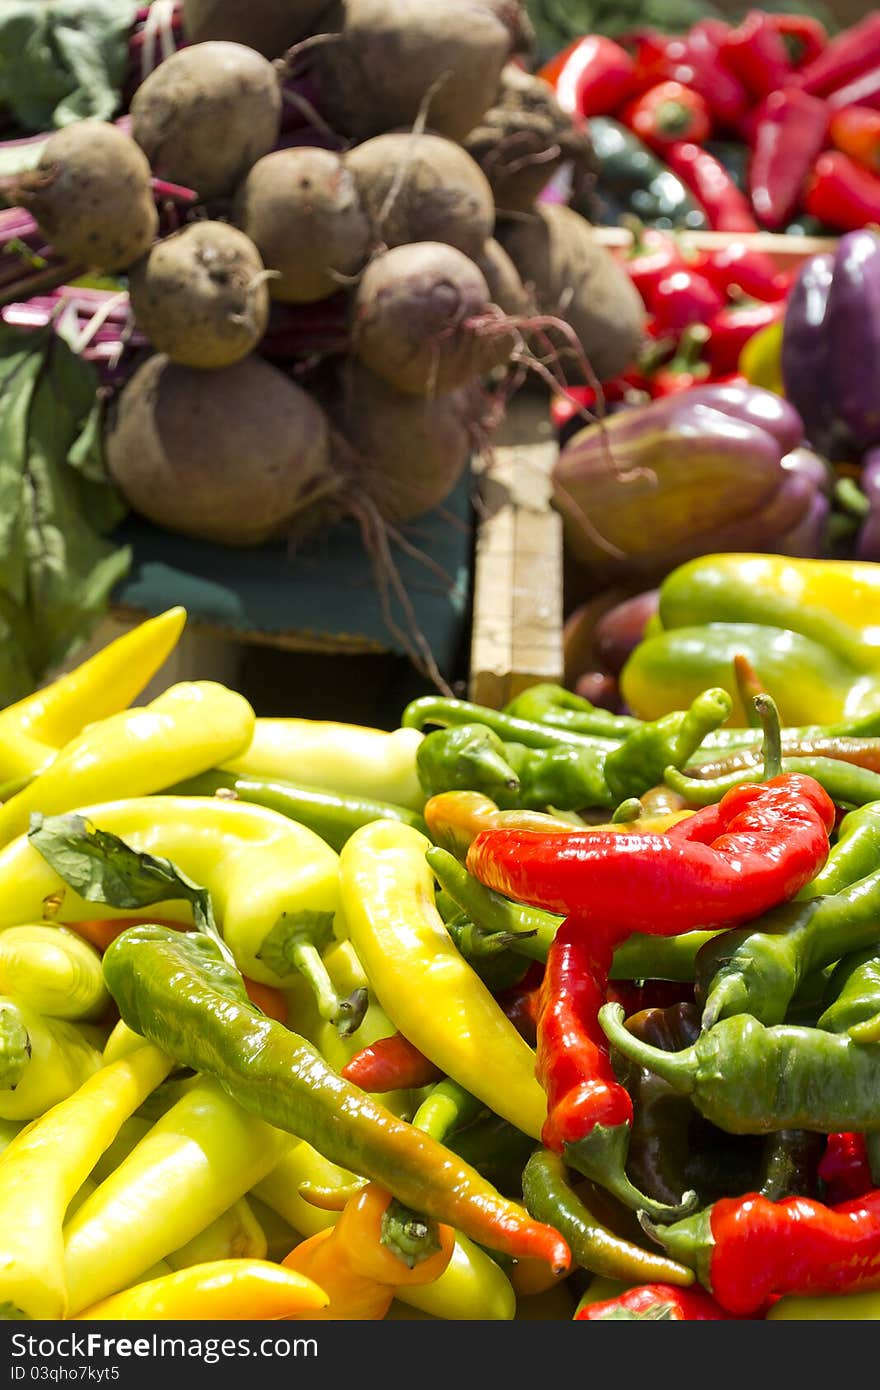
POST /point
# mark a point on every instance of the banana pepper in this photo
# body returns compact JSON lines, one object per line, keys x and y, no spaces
{"x":185,"y":730}
{"x":216,"y":1291}
{"x":34,"y":729}
{"x":807,"y":627}
{"x":426,"y":987}
{"x":42,"y":1060}
{"x":259,"y":869}
{"x":52,"y":970}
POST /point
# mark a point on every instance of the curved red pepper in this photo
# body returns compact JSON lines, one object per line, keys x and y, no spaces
{"x":591,"y":77}
{"x":790,"y":133}
{"x":655,"y":1303}
{"x":390,"y":1064}
{"x":738,"y":270}
{"x":755,"y":52}
{"x":842,"y":193}
{"x":726,"y":208}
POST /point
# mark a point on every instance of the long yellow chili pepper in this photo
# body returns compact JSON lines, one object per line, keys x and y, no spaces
{"x":53,"y":970}
{"x":44,"y":1166}
{"x":185,"y":730}
{"x":196,"y":1160}
{"x":236,"y":1234}
{"x":423,"y":983}
{"x":257,"y":866}
{"x":34,"y":729}
{"x":359,"y":1272}
{"x":351,"y":759}
{"x":42,"y":1060}
{"x":216,"y":1291}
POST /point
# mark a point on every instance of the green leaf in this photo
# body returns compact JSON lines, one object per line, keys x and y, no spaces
{"x":291,"y":930}
{"x":102,"y":868}
{"x":658,"y":1312}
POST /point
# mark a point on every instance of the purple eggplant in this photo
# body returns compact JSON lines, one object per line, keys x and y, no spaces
{"x":867,"y":542}
{"x":831,"y":347}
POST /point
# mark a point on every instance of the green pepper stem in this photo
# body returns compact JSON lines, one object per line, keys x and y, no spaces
{"x":15,"y":1046}
{"x":346,"y":1015}
{"x":677,"y":1068}
{"x":627,"y":812}
{"x":771,"y":747}
{"x":601,"y":1157}
{"x":408,"y":1235}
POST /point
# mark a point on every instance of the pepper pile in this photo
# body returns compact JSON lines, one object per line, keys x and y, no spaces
{"x":769,"y":123}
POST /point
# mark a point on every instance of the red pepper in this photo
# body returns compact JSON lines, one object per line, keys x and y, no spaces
{"x":747,"y":1250}
{"x":738,"y":270}
{"x":691,"y":59}
{"x":732,"y":328}
{"x":686,"y":368}
{"x":863,"y":90}
{"x":841,"y":193}
{"x":844,"y":1168}
{"x":804,"y":37}
{"x":390,"y":1064}
{"x":790,"y":134}
{"x":654,"y":1303}
{"x":653,"y":255}
{"x":848,"y":54}
{"x":591,"y":77}
{"x":755,"y":52}
{"x":726,"y":208}
{"x":567,"y":407}
{"x":856,"y":132}
{"x":683,"y":298}
{"x":668,"y":112}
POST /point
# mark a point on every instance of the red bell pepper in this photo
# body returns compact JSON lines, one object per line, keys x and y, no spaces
{"x":732,"y":328}
{"x":687,"y":368}
{"x":755,"y":52}
{"x":738,"y":271}
{"x":841,"y":193}
{"x":724,"y":94}
{"x":849,"y":53}
{"x":856,"y":132}
{"x":652,"y":256}
{"x":790,"y":134}
{"x":592,"y":77}
{"x":863,"y":90}
{"x":726,"y":208}
{"x":681,"y":299}
{"x":804,"y":36}
{"x":691,"y":59}
{"x":654,"y":1303}
{"x":668,"y":112}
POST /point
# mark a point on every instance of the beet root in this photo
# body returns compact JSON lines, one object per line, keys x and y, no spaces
{"x":265,"y":25}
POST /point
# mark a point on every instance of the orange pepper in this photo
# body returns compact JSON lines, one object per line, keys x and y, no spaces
{"x":218,"y":1290}
{"x":358,"y":1272}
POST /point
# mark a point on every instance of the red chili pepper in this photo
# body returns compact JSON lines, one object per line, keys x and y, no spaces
{"x":849,"y":53}
{"x":747,"y":1250}
{"x":841,"y":193}
{"x":804,"y":36}
{"x":654,"y":1303}
{"x":691,"y":59}
{"x":755,"y":52}
{"x":856,"y":132}
{"x":653,"y":255}
{"x":686,"y":368}
{"x":591,"y":77}
{"x":864,"y":90}
{"x":844,"y":1168}
{"x":683,"y":298}
{"x":668,"y":112}
{"x":790,"y":134}
{"x":577,"y":399}
{"x":390,"y":1064}
{"x":726,"y":208}
{"x":738,"y":270}
{"x":732,"y":328}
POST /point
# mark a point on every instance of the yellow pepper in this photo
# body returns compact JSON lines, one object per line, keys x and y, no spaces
{"x":760,"y":360}
{"x":350,"y":759}
{"x":217,"y":1291}
{"x":34,"y":729}
{"x":426,"y":987}
{"x":235,"y":1234}
{"x":257,"y":866}
{"x":45,"y":1165}
{"x":185,"y":730}
{"x":42,"y":1060}
{"x":358,"y":1270}
{"x":194,"y":1162}
{"x":53,"y":970}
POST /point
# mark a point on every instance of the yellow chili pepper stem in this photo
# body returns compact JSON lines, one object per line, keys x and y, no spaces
{"x":42,"y":1060}
{"x":216,"y":1291}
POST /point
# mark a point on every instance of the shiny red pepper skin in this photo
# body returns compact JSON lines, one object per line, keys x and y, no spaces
{"x":653,"y":255}
{"x":592,"y":77}
{"x":804,"y":36}
{"x":842,"y":193}
{"x":790,"y":133}
{"x":667,"y":112}
{"x":726,"y":208}
{"x":844,"y":1170}
{"x":863,"y":90}
{"x":732,"y":328}
{"x":693,"y":60}
{"x":655,"y":1303}
{"x":738,"y":270}
{"x":755,"y":52}
{"x":681,"y":299}
{"x":390,"y":1064}
{"x":849,"y":53}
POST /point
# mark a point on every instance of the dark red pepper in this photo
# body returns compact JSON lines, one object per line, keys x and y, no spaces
{"x":667,"y":112}
{"x":732,"y":328}
{"x":863,"y":90}
{"x":755,"y":52}
{"x":726,"y":208}
{"x":390,"y":1064}
{"x":591,"y":77}
{"x":683,"y":298}
{"x":790,"y":134}
{"x":844,"y":1169}
{"x":737,"y":270}
{"x":849,"y":53}
{"x":654,"y":1303}
{"x":804,"y":36}
{"x":841,"y":193}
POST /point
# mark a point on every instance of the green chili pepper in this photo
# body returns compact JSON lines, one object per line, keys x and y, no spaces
{"x":633,"y":175}
{"x":551,"y":704}
{"x":854,"y":993}
{"x":641,"y":760}
{"x":332,"y":816}
{"x":176,"y":988}
{"x":846,"y":783}
{"x":449,"y":713}
{"x":594,"y":1246}
{"x":488,"y":953}
{"x":750,"y":1079}
{"x":445,"y":1108}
